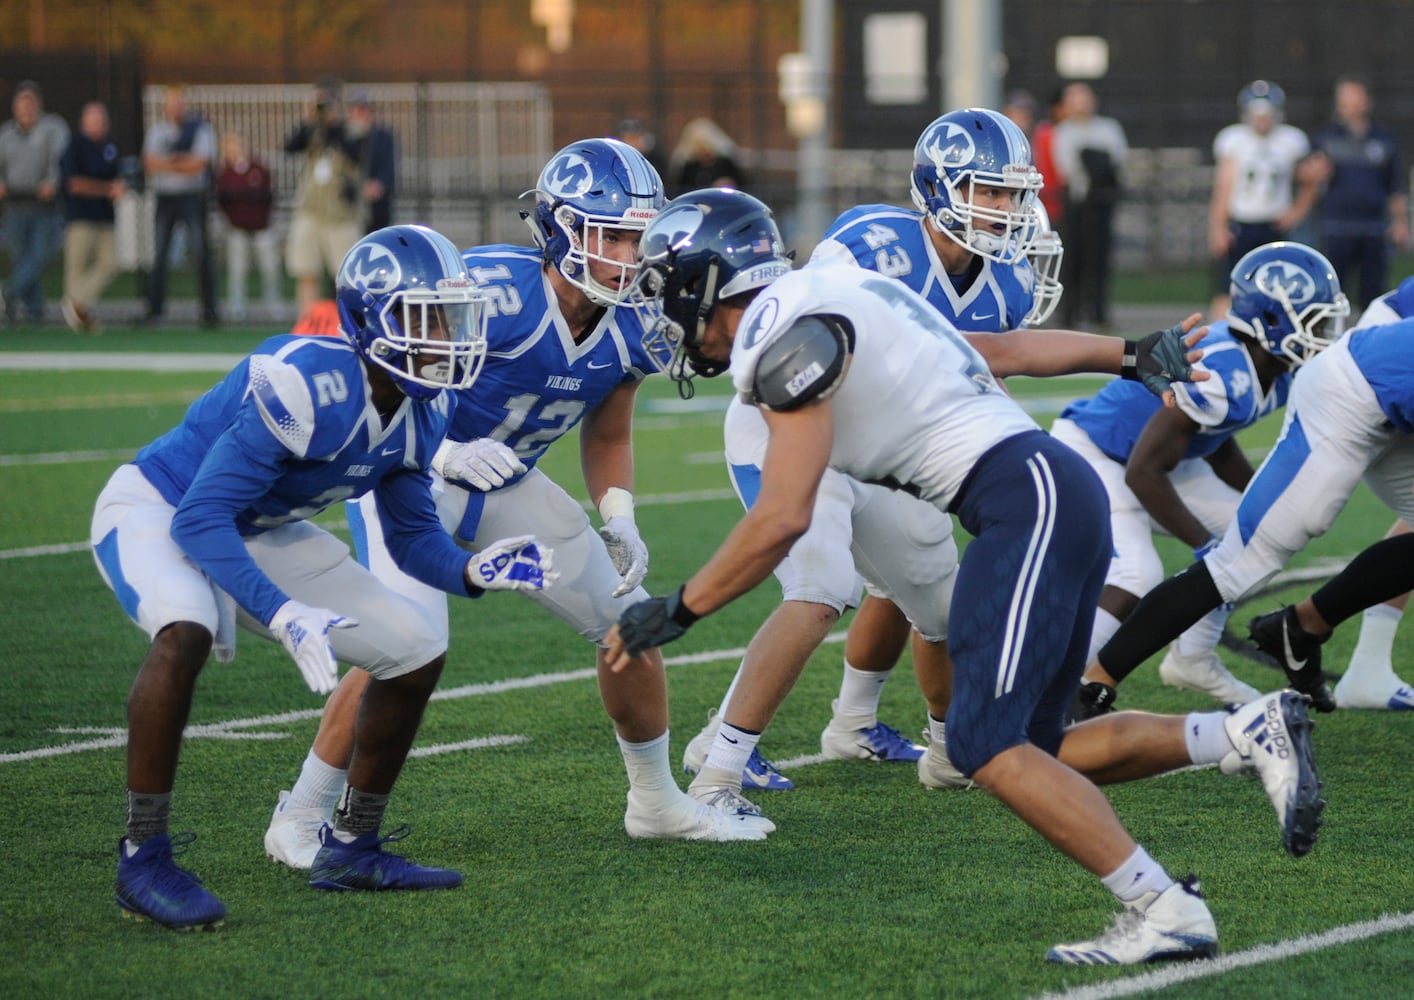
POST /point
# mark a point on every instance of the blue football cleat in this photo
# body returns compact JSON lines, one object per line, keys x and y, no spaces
{"x":363,"y":864}
{"x":152,"y":886}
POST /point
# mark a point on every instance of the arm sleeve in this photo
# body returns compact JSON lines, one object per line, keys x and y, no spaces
{"x":239,"y":469}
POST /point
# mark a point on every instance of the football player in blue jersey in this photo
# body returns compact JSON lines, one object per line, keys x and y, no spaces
{"x":855,"y":372}
{"x":1181,"y":469}
{"x":1349,"y":418}
{"x":559,"y":352}
{"x":208,"y":528}
{"x":967,"y":250}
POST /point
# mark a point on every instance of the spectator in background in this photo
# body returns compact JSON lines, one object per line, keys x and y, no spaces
{"x":178,"y":157}
{"x":377,"y":157}
{"x":636,"y":134}
{"x":1021,"y":108}
{"x":1254,"y":200}
{"x":90,"y":170}
{"x":705,"y":157}
{"x":328,"y":208}
{"x":1043,"y":156}
{"x":1090,"y":150}
{"x":1365,"y":205}
{"x":31,"y":144}
{"x":245,"y":193}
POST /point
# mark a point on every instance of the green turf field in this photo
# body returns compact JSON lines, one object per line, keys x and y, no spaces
{"x":871,"y":887}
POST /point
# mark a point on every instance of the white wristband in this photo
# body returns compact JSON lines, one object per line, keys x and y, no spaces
{"x":616,"y":502}
{"x":439,"y":458}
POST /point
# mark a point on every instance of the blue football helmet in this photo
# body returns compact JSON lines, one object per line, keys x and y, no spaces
{"x":406,"y":303}
{"x":1288,"y":297}
{"x":586,"y":192}
{"x":1261,"y":95}
{"x":704,"y":247}
{"x":966,"y":150}
{"x":1045,"y":257}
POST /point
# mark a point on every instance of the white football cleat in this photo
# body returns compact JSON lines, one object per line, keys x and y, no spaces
{"x":935,"y":770}
{"x":1271,"y":737}
{"x":1207,"y":674}
{"x":685,"y":818}
{"x":694,"y":755}
{"x":293,"y":835}
{"x":1373,"y":685}
{"x":728,"y":800}
{"x":1173,"y":925}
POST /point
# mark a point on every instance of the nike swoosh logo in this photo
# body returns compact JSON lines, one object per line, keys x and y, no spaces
{"x":982,"y":316}
{"x":606,"y":364}
{"x":730,"y":740}
{"x":1296,"y":665}
{"x":391,"y":451}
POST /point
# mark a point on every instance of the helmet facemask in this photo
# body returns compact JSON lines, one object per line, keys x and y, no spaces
{"x":585,"y":238}
{"x":428,"y":339}
{"x":1046,"y":254}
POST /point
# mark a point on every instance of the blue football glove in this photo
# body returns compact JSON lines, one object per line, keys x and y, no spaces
{"x":654,"y":622}
{"x":512,"y":564}
{"x":1158,"y":360}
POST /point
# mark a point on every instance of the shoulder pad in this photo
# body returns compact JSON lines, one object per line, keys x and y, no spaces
{"x":805,"y":362}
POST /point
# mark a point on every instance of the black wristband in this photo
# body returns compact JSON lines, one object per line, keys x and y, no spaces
{"x":679,"y":612}
{"x":1129,"y":364}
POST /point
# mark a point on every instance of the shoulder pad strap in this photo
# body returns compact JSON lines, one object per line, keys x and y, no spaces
{"x":805,"y":363}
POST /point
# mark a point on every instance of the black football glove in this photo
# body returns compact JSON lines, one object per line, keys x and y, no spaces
{"x":1158,"y":359}
{"x":654,"y":622}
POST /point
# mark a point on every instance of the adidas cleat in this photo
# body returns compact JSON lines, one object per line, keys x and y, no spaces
{"x":1169,"y":926}
{"x":1271,"y":737}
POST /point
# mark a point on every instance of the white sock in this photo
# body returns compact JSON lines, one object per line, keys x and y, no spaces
{"x":727,"y":698}
{"x":1374,"y":650}
{"x":1106,"y":625}
{"x":318,"y":786}
{"x":647,"y":765}
{"x":1139,"y":874}
{"x":1204,"y":636}
{"x":1205,"y":736}
{"x":935,"y":729}
{"x":860,"y":691}
{"x":731,"y":749}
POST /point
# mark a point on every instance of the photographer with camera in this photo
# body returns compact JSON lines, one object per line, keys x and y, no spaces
{"x":326,"y":221}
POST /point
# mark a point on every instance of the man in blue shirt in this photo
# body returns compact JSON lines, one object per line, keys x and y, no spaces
{"x":1365,"y":206}
{"x":91,"y":186}
{"x":209,"y":528}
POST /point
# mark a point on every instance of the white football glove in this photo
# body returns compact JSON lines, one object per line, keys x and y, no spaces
{"x":512,"y":564}
{"x":627,"y":550}
{"x":304,"y":632}
{"x":483,"y":464}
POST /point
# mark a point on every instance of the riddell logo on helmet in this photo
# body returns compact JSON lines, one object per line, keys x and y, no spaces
{"x":640,"y":214}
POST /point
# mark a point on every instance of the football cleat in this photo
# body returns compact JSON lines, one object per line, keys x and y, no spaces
{"x":1375,"y":687}
{"x":1092,"y":698}
{"x":730,"y":802}
{"x":758,"y":774}
{"x":1173,"y":925}
{"x":1279,"y":634}
{"x":293,"y":835}
{"x":876,"y":742}
{"x":363,"y":864}
{"x":1271,"y":737}
{"x":935,"y":770}
{"x":1205,"y":673}
{"x":685,"y":818}
{"x":152,"y":886}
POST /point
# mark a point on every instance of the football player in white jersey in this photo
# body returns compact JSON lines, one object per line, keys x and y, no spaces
{"x":208,"y":528}
{"x":558,"y":352}
{"x":965,"y":249}
{"x":856,"y":372}
{"x":1181,"y":469}
{"x":1259,"y":196}
{"x":1350,"y":417}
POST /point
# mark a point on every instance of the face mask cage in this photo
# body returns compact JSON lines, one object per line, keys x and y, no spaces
{"x":432,"y":338}
{"x":587,"y":238}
